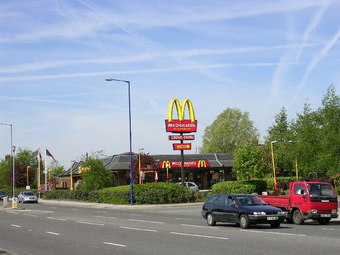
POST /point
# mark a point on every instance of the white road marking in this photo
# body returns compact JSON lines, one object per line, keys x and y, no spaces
{"x":51,"y":218}
{"x":147,"y":221}
{"x":196,"y":226}
{"x":17,"y":226}
{"x":32,"y":215}
{"x":52,"y":233}
{"x":105,"y":217}
{"x":272,"y":233}
{"x":194,"y":235}
{"x":141,"y":229}
{"x":133,"y":214}
{"x":115,"y":244}
{"x":90,"y":223}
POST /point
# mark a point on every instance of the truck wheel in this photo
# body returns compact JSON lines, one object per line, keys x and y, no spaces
{"x":210,"y":220}
{"x":244,"y":221}
{"x":323,"y":221}
{"x":297,"y":217}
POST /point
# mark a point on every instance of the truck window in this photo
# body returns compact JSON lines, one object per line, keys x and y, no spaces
{"x":298,"y":188}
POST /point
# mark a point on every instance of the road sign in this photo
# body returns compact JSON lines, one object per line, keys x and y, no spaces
{"x":182,"y":146}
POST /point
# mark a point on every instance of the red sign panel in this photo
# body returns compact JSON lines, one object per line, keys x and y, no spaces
{"x":182,"y":146}
{"x":177,"y":164}
{"x":181,"y":137}
{"x":181,"y":126}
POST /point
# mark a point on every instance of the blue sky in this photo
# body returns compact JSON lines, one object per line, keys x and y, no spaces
{"x":257,"y":56}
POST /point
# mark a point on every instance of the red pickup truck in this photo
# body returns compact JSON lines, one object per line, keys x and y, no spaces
{"x":307,"y":200}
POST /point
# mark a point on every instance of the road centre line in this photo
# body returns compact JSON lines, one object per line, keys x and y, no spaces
{"x":134,"y":214}
{"x":52,"y":218}
{"x":17,"y":226}
{"x":90,"y":223}
{"x":115,"y":244}
{"x":147,"y":221}
{"x":141,"y":229}
{"x":204,"y":236}
{"x":52,"y":233}
{"x":272,"y":233}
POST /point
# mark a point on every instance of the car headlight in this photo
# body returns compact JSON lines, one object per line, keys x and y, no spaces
{"x":281,"y":213}
{"x":314,"y":211}
{"x":259,"y":213}
{"x":334,"y":211}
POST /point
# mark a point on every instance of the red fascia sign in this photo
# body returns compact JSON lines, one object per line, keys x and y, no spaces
{"x":178,"y":164}
{"x":181,"y":137}
{"x":181,"y":146}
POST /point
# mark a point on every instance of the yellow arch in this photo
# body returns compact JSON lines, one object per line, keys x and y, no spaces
{"x":181,"y":109}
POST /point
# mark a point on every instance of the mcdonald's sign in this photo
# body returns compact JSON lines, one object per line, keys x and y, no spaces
{"x":181,"y":125}
{"x":177,"y":164}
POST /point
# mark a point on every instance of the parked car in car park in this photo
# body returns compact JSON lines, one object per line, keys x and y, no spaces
{"x":27,"y":197}
{"x":242,"y":209}
{"x":2,"y":195}
{"x":189,"y":185}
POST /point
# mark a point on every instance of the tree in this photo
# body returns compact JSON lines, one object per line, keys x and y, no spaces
{"x":249,"y":162}
{"x":281,"y":136}
{"x":231,"y":128}
{"x":146,"y":161}
{"x":97,"y":177}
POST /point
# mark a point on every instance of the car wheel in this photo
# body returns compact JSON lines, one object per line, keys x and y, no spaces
{"x":244,"y":221}
{"x":323,"y":221}
{"x":275,"y":224}
{"x":210,"y":220}
{"x":297,"y":217}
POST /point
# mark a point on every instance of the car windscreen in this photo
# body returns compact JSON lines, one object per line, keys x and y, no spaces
{"x":321,"y":190}
{"x":28,"y":194}
{"x":247,"y":200}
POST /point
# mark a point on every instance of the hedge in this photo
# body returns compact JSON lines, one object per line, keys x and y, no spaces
{"x":240,"y":187}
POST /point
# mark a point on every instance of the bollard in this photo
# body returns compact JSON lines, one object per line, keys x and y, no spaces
{"x":4,"y":202}
{"x":14,"y":203}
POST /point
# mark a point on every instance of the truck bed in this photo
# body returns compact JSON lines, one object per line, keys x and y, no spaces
{"x":277,"y":201}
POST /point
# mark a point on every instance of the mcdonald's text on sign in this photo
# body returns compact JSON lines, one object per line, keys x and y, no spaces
{"x":178,"y":164}
{"x":181,"y":137}
{"x":182,"y":146}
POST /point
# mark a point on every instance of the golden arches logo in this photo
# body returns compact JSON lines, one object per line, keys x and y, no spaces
{"x":181,"y":109}
{"x":202,"y":163}
{"x":166,"y":164}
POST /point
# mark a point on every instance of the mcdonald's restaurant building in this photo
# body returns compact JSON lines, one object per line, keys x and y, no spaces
{"x":203,"y":169}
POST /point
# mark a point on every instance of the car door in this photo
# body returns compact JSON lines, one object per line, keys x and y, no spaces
{"x":219,"y":207}
{"x":231,"y":210}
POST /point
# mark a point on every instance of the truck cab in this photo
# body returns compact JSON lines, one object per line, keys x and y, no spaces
{"x":312,"y":200}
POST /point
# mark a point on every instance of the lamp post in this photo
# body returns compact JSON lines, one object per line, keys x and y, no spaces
{"x":273,"y":163}
{"x":27,"y":183}
{"x":71,"y":175}
{"x":12,"y":156}
{"x":139,"y":164}
{"x":130,"y":135}
{"x":296,"y":164}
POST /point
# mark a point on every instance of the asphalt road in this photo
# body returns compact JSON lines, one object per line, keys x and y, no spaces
{"x":58,"y":229}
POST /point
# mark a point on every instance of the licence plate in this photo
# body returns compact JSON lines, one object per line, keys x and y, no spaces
{"x":273,"y":218}
{"x":325,"y":215}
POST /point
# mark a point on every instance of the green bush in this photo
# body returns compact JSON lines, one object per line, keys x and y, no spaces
{"x":115,"y":195}
{"x":92,"y":196}
{"x":239,"y":187}
{"x":335,"y":179}
{"x":163,"y":193}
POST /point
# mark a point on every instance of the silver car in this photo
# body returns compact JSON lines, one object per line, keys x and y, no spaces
{"x":27,"y":197}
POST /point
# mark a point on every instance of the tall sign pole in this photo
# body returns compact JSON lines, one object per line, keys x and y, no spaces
{"x":182,"y":126}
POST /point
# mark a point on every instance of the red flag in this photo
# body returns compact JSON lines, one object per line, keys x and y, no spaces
{"x":50,"y":155}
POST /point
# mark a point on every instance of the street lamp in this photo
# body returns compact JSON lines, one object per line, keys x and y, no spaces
{"x":130,"y":136}
{"x":139,"y":164}
{"x":12,"y":156}
{"x":71,"y":175}
{"x":273,"y":162}
{"x":27,"y":184}
{"x":296,"y":164}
